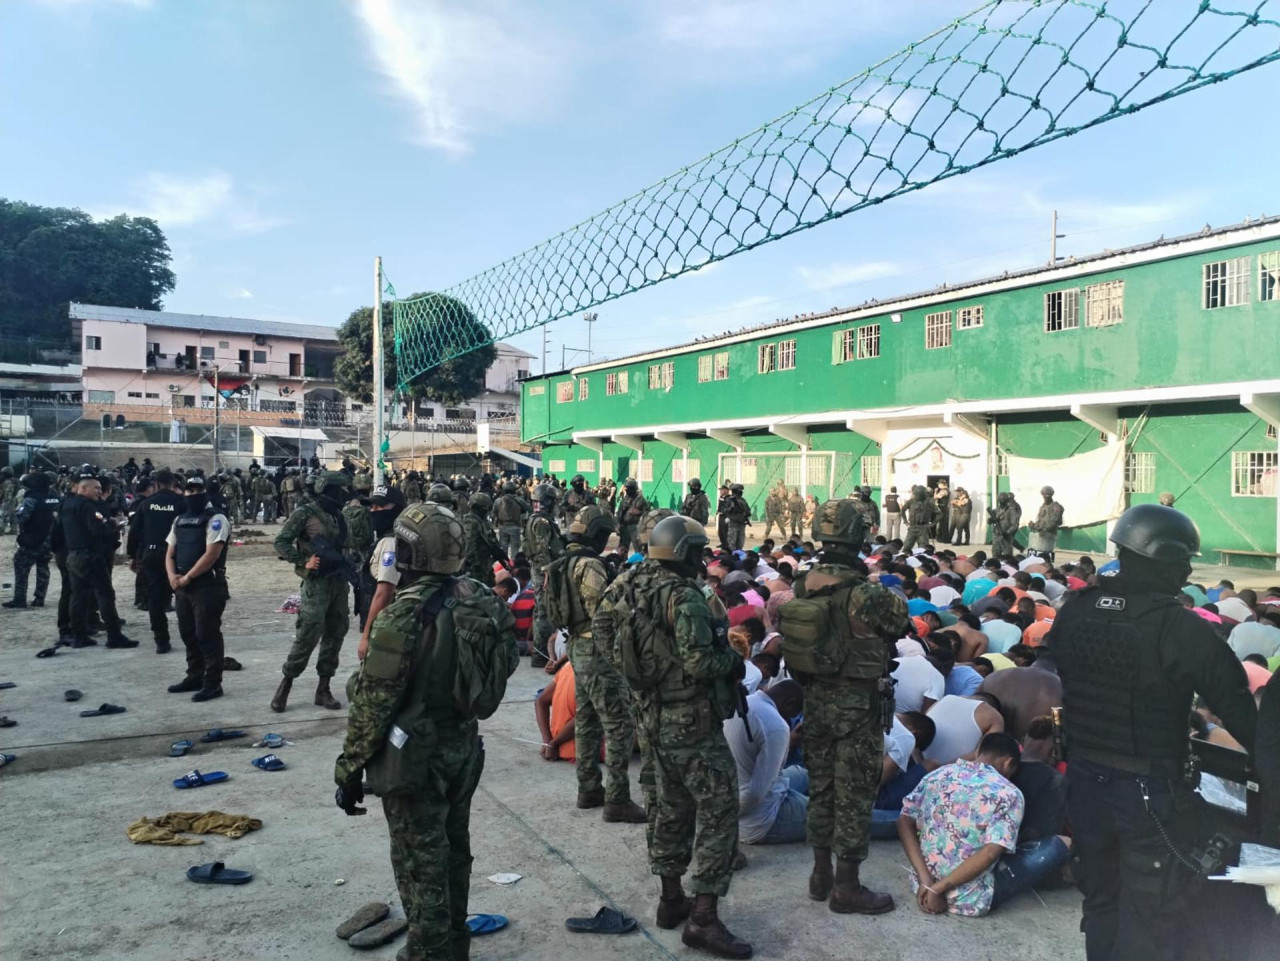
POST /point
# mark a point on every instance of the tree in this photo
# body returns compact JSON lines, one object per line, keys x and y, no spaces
{"x":50,"y":256}
{"x":447,"y":323}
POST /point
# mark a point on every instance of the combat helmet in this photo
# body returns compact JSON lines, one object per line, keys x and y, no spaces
{"x":544,"y":494}
{"x":679,"y":540}
{"x":840,"y":522}
{"x":630,"y":486}
{"x":480,"y":501}
{"x":429,"y":540}
{"x":1158,"y":532}
{"x":695,"y":485}
{"x":591,"y":524}
{"x":647,"y":523}
{"x":440,"y":494}
{"x":508,"y":488}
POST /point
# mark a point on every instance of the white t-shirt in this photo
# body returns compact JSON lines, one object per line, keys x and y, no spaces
{"x":218,"y":530}
{"x":760,"y":760}
{"x":943,"y":595}
{"x":753,"y":677}
{"x":1254,"y":637}
{"x":917,"y":679}
{"x":899,"y":744}
{"x":382,"y":563}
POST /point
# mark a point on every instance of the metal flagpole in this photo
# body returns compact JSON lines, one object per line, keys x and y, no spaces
{"x":378,"y":372}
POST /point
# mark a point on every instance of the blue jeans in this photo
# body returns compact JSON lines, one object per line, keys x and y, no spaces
{"x":789,"y":824}
{"x":1032,"y":863}
{"x":884,"y":824}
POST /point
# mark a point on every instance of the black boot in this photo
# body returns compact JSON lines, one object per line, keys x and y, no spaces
{"x":120,"y":641}
{"x":185,"y":685}
{"x":850,"y":897}
{"x":207,"y":693}
{"x":820,"y":880}
{"x":704,"y":930}
{"x":281,"y":697}
{"x":324,"y":697}
{"x":14,"y":604}
{"x":674,"y":905}
{"x":624,"y":812}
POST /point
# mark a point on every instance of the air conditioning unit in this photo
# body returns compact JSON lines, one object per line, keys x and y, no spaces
{"x":175,"y":388}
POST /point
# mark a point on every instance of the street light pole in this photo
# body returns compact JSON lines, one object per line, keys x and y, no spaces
{"x":590,"y":321}
{"x":378,"y":374}
{"x":217,"y":408}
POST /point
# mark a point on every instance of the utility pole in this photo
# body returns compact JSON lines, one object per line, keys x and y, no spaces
{"x":1054,"y":237}
{"x":379,"y":363}
{"x":544,"y":350}
{"x":590,"y":319}
{"x":217,"y":409}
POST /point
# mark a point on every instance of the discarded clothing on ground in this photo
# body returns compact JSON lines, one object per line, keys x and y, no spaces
{"x":168,"y":828}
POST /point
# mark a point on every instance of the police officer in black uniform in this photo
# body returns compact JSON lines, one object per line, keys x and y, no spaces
{"x":1131,"y":659}
{"x":148,"y":532}
{"x":196,"y":563}
{"x":90,"y":537}
{"x":35,"y":518}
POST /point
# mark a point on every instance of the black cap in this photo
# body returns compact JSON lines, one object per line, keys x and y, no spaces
{"x":382,"y":496}
{"x":194,"y":483}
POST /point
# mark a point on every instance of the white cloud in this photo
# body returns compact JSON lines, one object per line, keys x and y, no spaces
{"x":845,"y":275}
{"x":464,"y":67}
{"x":206,"y":199}
{"x":241,"y":293}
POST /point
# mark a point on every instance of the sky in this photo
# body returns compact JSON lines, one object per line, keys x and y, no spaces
{"x":282,"y":144}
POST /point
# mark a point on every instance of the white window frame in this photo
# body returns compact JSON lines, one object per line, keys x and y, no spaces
{"x":564,"y":392}
{"x":786,"y":354}
{"x":704,"y":369}
{"x":606,"y":469}
{"x":555,"y":467}
{"x":92,"y":342}
{"x":655,"y":376}
{"x":868,"y":342}
{"x":1002,"y":463}
{"x":721,"y":365}
{"x":1269,"y":276}
{"x":582,"y":388}
{"x":967,"y":318}
{"x":870,"y":470}
{"x":845,"y":346}
{"x":611,"y":385}
{"x":937,"y":330}
{"x":1253,"y":473}
{"x":586,"y":465}
{"x":1140,"y":472}
{"x":682,"y":470}
{"x":644,"y":470}
{"x":537,"y":390}
{"x":1226,"y":283}
{"x":1067,"y":314}
{"x":765,"y":363}
{"x":1104,"y":304}
{"x":668,"y":375}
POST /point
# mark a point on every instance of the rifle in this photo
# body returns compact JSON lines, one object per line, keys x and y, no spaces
{"x":334,"y":562}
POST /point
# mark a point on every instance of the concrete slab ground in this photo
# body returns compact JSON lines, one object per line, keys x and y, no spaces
{"x":72,"y":886}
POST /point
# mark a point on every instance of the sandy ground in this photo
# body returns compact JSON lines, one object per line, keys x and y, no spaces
{"x":73,"y":887}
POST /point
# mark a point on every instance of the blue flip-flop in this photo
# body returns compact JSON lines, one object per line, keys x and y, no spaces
{"x":215,"y":872}
{"x":486,"y":923}
{"x":218,"y":734}
{"x":196,"y":779}
{"x":268,"y":762}
{"x":7,"y":759}
{"x":273,"y":741}
{"x":180,"y":748}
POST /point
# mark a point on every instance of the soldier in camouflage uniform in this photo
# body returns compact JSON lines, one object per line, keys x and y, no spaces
{"x":482,"y":545}
{"x":775,"y":510}
{"x":681,"y":713}
{"x":8,"y":492}
{"x":869,"y":511}
{"x":631,"y":507}
{"x":1005,"y":520}
{"x":577,"y":497}
{"x":542,"y":545}
{"x":408,"y":680}
{"x":737,"y":513}
{"x":323,"y":615}
{"x":289,"y":488}
{"x":234,"y":494}
{"x":922,"y":514}
{"x":412,"y":488}
{"x":843,"y":724}
{"x":696,"y":504}
{"x":359,"y":544}
{"x":578,"y":581}
{"x":264,"y":497}
{"x":795,"y":512}
{"x":509,"y":511}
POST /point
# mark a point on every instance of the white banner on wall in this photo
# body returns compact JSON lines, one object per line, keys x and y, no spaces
{"x":1090,"y":487}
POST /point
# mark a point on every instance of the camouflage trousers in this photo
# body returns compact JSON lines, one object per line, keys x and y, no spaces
{"x":25,"y":558}
{"x":844,"y":751}
{"x":1001,"y":544}
{"x":916,"y":534}
{"x":323,"y":617}
{"x":604,"y":714}
{"x":627,"y":537}
{"x":7,"y":514}
{"x":509,"y":540}
{"x":775,"y":520}
{"x":430,"y":832}
{"x":735,"y":535}
{"x":696,"y":795}
{"x":648,"y":771}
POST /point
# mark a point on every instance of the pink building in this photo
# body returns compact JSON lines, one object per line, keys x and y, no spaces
{"x":159,"y":366}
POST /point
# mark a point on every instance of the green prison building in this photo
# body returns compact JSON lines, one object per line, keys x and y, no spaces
{"x":1115,"y":377}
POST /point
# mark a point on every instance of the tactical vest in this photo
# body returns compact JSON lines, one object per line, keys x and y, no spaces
{"x":737,"y":510}
{"x":692,"y":504}
{"x":891,"y":504}
{"x":158,"y":514}
{"x":539,"y":553}
{"x":335,"y":532}
{"x":507,"y":510}
{"x":1118,"y":699}
{"x":919,"y":513}
{"x":38,"y":525}
{"x":75,"y":528}
{"x":190,"y":531}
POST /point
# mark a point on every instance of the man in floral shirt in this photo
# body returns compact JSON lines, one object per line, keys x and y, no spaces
{"x":959,"y":829}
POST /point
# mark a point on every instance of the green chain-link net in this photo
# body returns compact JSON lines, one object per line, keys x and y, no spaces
{"x":1007,"y":77}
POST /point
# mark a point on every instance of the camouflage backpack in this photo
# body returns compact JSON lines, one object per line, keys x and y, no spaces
{"x":820,"y":637}
{"x":557,"y":597}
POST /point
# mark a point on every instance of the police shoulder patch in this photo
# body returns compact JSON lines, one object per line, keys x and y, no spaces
{"x":216,"y":524}
{"x":388,"y":558}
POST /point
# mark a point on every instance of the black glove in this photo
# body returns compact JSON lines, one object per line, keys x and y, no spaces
{"x":351,"y":794}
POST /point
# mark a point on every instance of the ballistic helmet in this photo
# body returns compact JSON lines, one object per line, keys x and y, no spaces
{"x":1158,"y":532}
{"x":508,"y":488}
{"x":695,"y":485}
{"x":429,"y":540}
{"x":630,"y":485}
{"x":840,"y":522}
{"x":647,"y":523}
{"x":544,"y":494}
{"x":440,"y":494}
{"x":679,"y":539}
{"x":481,"y":502}
{"x":590,"y":523}
{"x":736,"y":488}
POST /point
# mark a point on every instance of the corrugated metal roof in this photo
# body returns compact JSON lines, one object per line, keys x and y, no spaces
{"x":225,"y":325}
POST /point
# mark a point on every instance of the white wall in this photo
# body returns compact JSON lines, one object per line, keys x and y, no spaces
{"x":912,"y":454}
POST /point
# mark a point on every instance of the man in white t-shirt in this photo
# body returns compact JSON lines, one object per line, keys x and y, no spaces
{"x":773,"y":802}
{"x":919,"y":684}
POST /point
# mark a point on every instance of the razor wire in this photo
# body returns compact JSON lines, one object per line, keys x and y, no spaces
{"x":1011,"y":75}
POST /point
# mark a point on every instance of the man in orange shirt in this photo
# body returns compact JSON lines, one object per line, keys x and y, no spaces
{"x":555,"y":708}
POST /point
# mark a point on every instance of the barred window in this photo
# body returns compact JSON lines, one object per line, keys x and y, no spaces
{"x":704,"y":368}
{"x":644,"y":471}
{"x":937,"y":330}
{"x":683,"y":471}
{"x":655,"y":376}
{"x":1140,"y":472}
{"x":555,"y":466}
{"x":764,"y":360}
{"x":868,"y":342}
{"x":969,"y":317}
{"x":1253,"y":473}
{"x":722,"y":365}
{"x":1002,"y":463}
{"x":871,"y":470}
{"x":786,"y":355}
{"x":1226,"y":283}
{"x":586,"y":465}
{"x":1104,"y":304}
{"x":844,"y":345}
{"x":582,"y":389}
{"x":668,"y":375}
{"x":1269,"y":276}
{"x":564,"y":392}
{"x":1062,"y":310}
{"x":615,"y":383}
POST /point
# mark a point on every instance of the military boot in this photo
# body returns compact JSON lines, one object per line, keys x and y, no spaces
{"x":591,"y":799}
{"x":15,"y":603}
{"x":820,"y":880}
{"x":674,"y":905}
{"x":851,"y":897}
{"x":624,"y":812}
{"x":704,"y":930}
{"x":281,"y":698}
{"x":324,"y":698}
